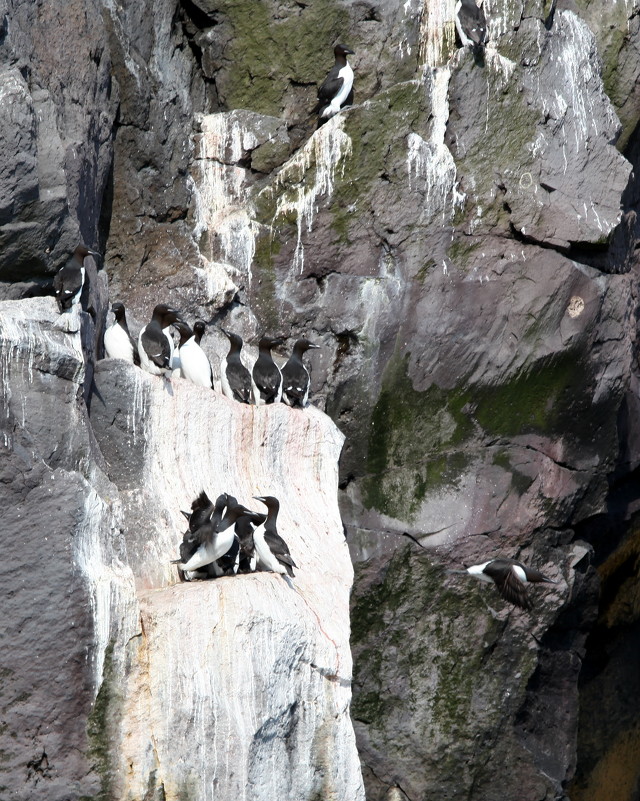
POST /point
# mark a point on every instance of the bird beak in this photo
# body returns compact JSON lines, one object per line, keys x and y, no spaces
{"x":349,"y":52}
{"x":258,"y":498}
{"x":95,"y":254}
{"x":314,"y":346}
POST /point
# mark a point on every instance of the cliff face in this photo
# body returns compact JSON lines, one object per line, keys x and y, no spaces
{"x":141,"y":687}
{"x":462,"y":244}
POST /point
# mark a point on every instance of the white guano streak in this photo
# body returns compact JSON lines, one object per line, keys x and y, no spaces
{"x":430,"y":165}
{"x":437,"y":31}
{"x":327,"y":151}
{"x":221,"y":196}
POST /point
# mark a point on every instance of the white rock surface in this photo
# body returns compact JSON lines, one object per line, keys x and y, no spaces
{"x":239,"y":688}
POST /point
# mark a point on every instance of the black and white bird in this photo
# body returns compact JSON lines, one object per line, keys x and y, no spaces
{"x":336,"y":91}
{"x":213,"y":539}
{"x":510,"y":577}
{"x":118,"y":342}
{"x":202,"y":509}
{"x":267,"y":378}
{"x":194,"y":363}
{"x":471,"y":24}
{"x":244,"y":529}
{"x":235,"y":378}
{"x":155,"y":345}
{"x":272,"y":551}
{"x":295,"y":376}
{"x":69,"y":279}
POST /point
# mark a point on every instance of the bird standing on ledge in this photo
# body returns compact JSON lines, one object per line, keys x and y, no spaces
{"x":336,"y":91}
{"x":69,"y":279}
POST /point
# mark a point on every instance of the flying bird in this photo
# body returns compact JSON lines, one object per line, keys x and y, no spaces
{"x":510,"y":577}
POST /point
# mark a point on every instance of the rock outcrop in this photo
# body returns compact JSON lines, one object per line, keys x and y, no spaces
{"x":165,"y":690}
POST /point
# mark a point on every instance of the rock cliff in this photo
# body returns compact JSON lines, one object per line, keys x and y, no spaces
{"x":462,"y":244}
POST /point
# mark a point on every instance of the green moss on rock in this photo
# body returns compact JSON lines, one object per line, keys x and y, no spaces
{"x":99,"y":726}
{"x":267,"y":47}
{"x":409,"y":432}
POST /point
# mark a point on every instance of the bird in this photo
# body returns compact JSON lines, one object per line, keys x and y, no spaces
{"x":267,"y":378}
{"x":118,"y":342}
{"x":236,"y":379}
{"x":272,"y":551}
{"x":214,"y":539}
{"x":69,"y":279}
{"x":471,"y":24}
{"x":510,"y":577}
{"x":202,"y":509}
{"x":336,"y":91}
{"x":295,"y":376}
{"x":194,"y":363}
{"x":155,"y":346}
{"x":198,"y":330}
{"x":244,"y":532}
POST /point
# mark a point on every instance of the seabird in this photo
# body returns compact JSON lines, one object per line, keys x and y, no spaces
{"x":510,"y":577}
{"x":272,"y":551}
{"x":244,"y":532}
{"x":471,"y":24}
{"x":194,"y":363}
{"x":69,"y":279}
{"x":295,"y":375}
{"x":235,"y":378}
{"x":155,"y":346}
{"x":267,"y":378}
{"x":214,"y":539}
{"x":198,"y":330}
{"x":337,"y":90}
{"x":118,"y":342}
{"x":202,"y":509}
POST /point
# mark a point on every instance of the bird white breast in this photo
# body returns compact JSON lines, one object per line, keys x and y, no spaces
{"x":211,"y":551}
{"x":346,"y":73}
{"x":117,"y":344}
{"x":165,"y":331}
{"x":477,"y":572}
{"x":266,"y":559}
{"x":195,"y":364}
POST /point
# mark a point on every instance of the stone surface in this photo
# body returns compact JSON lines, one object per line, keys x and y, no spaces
{"x":248,"y":671}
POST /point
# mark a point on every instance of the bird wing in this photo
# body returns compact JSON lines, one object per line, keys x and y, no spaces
{"x":240,"y":383}
{"x":331,"y":86}
{"x":513,"y":590}
{"x":157,"y":349}
{"x":293,"y":387}
{"x":58,"y":282}
{"x":473,"y":24}
{"x":279,"y":548}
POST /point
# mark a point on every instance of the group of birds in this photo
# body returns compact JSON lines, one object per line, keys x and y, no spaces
{"x":225,"y":538}
{"x":155,"y":352}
